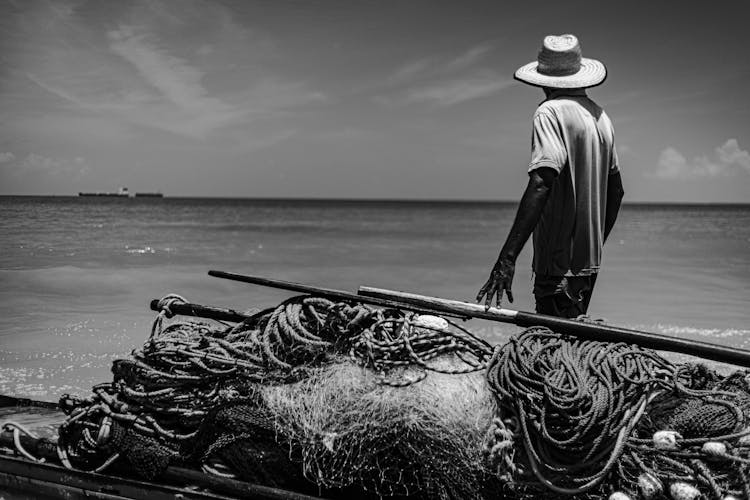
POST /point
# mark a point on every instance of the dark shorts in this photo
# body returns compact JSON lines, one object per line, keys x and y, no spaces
{"x":563,"y":296}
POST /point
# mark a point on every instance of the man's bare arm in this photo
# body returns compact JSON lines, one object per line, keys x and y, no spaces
{"x":615,"y":193}
{"x":529,"y":211}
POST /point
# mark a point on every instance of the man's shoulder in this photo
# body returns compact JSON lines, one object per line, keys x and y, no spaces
{"x":554,"y":107}
{"x":564,"y":101}
{"x":545,"y":109}
{"x":566,"y":107}
{"x":547,"y":106}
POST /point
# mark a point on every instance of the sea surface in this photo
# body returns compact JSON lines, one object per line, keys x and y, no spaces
{"x":77,"y":274}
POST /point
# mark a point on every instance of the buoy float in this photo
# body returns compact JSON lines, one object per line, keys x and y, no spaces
{"x":684,"y":491}
{"x":619,"y":495}
{"x":666,"y":440}
{"x":431,"y":322}
{"x":650,"y":486}
{"x":714,"y":448}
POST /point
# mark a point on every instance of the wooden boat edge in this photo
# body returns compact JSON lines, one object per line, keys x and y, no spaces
{"x":22,"y":476}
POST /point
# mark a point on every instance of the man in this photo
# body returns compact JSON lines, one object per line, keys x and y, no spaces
{"x":574,"y":190}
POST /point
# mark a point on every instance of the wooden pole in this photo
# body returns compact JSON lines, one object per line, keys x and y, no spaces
{"x":590,"y":331}
{"x":321,"y":292}
{"x":8,"y":401}
{"x":199,"y":311}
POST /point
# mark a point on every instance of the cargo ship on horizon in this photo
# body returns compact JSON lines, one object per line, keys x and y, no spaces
{"x":123,"y":192}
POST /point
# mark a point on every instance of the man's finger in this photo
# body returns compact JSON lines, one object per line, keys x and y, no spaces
{"x":499,"y":297}
{"x":490,"y":293}
{"x":482,"y":291}
{"x":488,"y":303}
{"x":510,"y":295}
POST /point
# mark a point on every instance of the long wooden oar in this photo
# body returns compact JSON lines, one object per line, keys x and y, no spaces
{"x":591,"y":331}
{"x":322,"y":292}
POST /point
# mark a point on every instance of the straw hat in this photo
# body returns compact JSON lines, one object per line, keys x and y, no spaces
{"x":560,"y":65}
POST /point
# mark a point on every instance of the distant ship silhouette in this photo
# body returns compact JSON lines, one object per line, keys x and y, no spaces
{"x":122,"y":193}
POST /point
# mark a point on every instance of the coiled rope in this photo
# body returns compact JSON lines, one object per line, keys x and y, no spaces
{"x":573,"y":403}
{"x":575,"y":412}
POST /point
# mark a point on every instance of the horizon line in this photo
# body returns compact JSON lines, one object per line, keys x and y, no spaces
{"x":374,"y":200}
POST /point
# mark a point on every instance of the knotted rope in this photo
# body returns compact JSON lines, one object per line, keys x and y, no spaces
{"x":573,"y":402}
{"x":574,"y":413}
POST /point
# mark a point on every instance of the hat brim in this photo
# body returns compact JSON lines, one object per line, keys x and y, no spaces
{"x":591,"y":74}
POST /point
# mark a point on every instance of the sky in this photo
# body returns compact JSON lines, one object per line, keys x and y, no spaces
{"x":358,"y":98}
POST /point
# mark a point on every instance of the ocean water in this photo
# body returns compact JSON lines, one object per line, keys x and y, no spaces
{"x":77,"y":274}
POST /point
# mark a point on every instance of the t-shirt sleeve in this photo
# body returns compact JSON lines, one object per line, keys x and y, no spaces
{"x":547,"y":146}
{"x":614,"y":162}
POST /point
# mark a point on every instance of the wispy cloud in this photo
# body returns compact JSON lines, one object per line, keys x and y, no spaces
{"x":429,"y":67}
{"x":450,"y":92}
{"x":174,"y":78}
{"x":6,"y":157}
{"x":410,"y":71}
{"x":35,"y":164}
{"x":443,"y":81}
{"x":144,"y":70}
{"x":58,"y":91}
{"x":144,"y":83}
{"x":727,"y":159}
{"x":470,"y":57}
{"x":178,"y":86}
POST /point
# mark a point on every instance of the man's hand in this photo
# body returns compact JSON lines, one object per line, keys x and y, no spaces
{"x":529,"y":211}
{"x":501,"y":279}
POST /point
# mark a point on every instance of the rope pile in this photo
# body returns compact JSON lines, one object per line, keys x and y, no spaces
{"x":694,"y":440}
{"x":166,"y":401}
{"x":583,"y":417}
{"x":396,"y":340}
{"x":381,"y":402}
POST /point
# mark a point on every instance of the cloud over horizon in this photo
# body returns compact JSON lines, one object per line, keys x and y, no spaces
{"x":728,"y":159}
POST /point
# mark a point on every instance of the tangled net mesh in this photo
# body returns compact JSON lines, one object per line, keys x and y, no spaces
{"x":423,"y":439}
{"x":351,"y":400}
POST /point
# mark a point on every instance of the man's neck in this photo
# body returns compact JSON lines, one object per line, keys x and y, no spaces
{"x":553,"y":93}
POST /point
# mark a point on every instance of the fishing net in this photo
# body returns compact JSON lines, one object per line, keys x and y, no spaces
{"x":424,"y":439}
{"x":356,"y":401}
{"x":312,"y":392}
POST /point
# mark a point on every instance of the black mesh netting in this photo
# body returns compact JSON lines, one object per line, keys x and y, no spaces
{"x":148,"y":455}
{"x":242,"y":434}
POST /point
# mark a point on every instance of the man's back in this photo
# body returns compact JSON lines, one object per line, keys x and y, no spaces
{"x":574,"y":191}
{"x":574,"y":136}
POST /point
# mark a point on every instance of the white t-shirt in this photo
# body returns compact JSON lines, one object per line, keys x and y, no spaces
{"x":574,"y":136}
